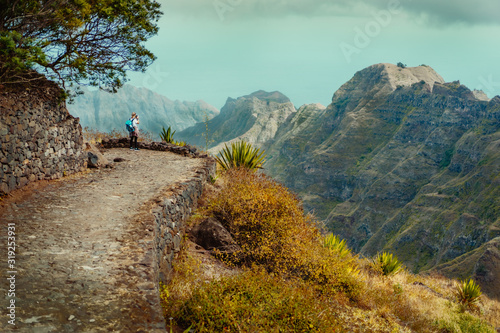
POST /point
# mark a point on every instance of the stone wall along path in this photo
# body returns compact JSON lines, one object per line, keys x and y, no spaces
{"x":80,"y":266}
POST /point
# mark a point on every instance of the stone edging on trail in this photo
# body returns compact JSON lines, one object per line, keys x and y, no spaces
{"x":160,"y":146}
{"x":166,"y":216}
{"x":170,"y":217}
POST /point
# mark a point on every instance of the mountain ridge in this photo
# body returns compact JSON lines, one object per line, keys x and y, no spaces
{"x":400,"y":161}
{"x":255,"y":118}
{"x":105,"y":112}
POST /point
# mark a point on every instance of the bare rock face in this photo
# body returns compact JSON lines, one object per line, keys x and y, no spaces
{"x":407,"y":76}
{"x":480,"y":95}
{"x":211,"y":235}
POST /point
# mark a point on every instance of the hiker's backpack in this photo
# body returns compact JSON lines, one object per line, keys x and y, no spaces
{"x":129,"y":125}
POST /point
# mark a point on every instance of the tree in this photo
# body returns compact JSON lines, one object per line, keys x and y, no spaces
{"x":92,"y":42}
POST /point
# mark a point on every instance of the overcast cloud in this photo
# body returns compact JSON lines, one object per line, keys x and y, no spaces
{"x":436,"y":11}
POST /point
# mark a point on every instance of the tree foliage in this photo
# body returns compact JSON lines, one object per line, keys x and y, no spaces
{"x":92,"y":42}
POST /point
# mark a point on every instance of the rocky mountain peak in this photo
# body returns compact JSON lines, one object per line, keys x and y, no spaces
{"x":274,"y":96}
{"x":399,"y":76}
{"x":382,"y":79}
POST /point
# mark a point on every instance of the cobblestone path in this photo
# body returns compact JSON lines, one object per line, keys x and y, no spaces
{"x":74,"y":269}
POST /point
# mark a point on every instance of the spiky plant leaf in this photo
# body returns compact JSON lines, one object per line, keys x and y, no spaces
{"x":388,"y":263}
{"x":167,"y":135}
{"x":468,"y":293}
{"x":334,"y":243}
{"x":240,"y":154}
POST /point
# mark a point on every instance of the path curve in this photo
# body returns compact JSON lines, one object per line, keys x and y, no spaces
{"x":75,"y":269}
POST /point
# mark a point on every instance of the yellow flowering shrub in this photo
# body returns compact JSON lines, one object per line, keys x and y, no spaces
{"x":269,"y":224}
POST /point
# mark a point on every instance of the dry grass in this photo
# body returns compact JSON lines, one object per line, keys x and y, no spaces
{"x":424,"y":303}
{"x":292,"y":283}
{"x":94,"y":136}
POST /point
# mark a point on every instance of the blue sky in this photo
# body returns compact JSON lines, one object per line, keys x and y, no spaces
{"x":214,"y":49}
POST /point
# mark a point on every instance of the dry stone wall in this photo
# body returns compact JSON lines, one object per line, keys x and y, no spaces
{"x":170,"y":217}
{"x":39,"y":139}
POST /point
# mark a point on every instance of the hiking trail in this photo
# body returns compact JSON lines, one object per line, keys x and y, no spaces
{"x":79,"y":262}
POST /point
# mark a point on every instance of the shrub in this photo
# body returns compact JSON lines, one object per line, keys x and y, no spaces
{"x":167,"y":135}
{"x":269,"y":224}
{"x":401,"y":65}
{"x":255,"y":301}
{"x":294,"y":280}
{"x":463,"y":322}
{"x":387,"y":263}
{"x":95,"y":136}
{"x":241,"y":154}
{"x":468,"y":294}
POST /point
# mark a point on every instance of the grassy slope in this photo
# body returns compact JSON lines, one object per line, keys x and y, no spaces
{"x":271,"y":293}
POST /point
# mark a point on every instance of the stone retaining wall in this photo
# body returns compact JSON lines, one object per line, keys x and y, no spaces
{"x":168,"y":221}
{"x":39,"y":139}
{"x":159,"y":232}
{"x":160,"y":146}
{"x":170,"y":217}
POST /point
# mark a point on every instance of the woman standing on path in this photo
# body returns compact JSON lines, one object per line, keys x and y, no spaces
{"x":135,"y":134}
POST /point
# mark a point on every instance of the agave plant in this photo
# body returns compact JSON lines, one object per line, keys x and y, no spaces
{"x":468,"y":293}
{"x":240,"y":154}
{"x":167,"y":135}
{"x":388,"y":263}
{"x":335,"y":244}
{"x":338,"y":246}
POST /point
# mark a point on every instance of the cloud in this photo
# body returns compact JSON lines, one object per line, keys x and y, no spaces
{"x":439,"y":12}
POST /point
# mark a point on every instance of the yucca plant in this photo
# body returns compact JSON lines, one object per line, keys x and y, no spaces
{"x":337,"y":245}
{"x":168,"y":137}
{"x":388,"y":263}
{"x":240,"y":154}
{"x":468,"y":293}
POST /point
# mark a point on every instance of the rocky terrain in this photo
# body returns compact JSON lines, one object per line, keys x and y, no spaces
{"x":84,"y":254}
{"x":399,"y":161}
{"x":104,"y":111}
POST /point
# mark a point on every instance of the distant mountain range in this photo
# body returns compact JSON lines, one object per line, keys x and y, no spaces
{"x":104,"y":111}
{"x":400,"y":161}
{"x":254,"y":118}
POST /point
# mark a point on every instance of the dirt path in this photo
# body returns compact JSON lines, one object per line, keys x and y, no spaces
{"x":70,"y":259}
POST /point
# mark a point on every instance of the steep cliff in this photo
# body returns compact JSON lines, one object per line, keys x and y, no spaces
{"x":105,"y":112}
{"x":399,"y":161}
{"x":399,"y":164}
